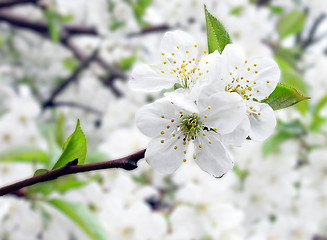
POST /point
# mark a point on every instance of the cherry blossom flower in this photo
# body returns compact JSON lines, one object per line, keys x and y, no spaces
{"x":179,"y":65}
{"x":176,"y":121}
{"x":253,"y":80}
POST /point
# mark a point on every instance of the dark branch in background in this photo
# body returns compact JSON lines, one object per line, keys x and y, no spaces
{"x":74,"y":75}
{"x":75,"y":105}
{"x":128,"y":163}
{"x":10,"y":3}
{"x":151,"y":29}
{"x":317,"y":237}
{"x":43,"y":28}
{"x":311,"y":36}
{"x":68,"y":31}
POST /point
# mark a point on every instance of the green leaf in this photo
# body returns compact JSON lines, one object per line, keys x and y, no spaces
{"x":236,"y":11}
{"x":272,"y":143}
{"x":292,"y":77}
{"x":283,"y":97}
{"x":24,"y":154}
{"x":70,"y":63}
{"x":318,"y":120}
{"x":60,"y":130}
{"x":285,"y":131}
{"x":139,"y":8}
{"x":96,"y":156}
{"x":75,"y":147}
{"x":292,"y":23}
{"x":1,"y":41}
{"x":217,"y":35}
{"x":127,"y":62}
{"x":54,"y":27}
{"x":61,"y":185}
{"x":82,"y":217}
{"x":40,"y":171}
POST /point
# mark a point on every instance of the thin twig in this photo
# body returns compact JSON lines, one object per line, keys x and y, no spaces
{"x":312,"y":32}
{"x":76,"y":105}
{"x":150,"y":29}
{"x":317,"y":237}
{"x":70,"y":79}
{"x":128,"y":163}
{"x":41,"y":27}
{"x":10,"y":3}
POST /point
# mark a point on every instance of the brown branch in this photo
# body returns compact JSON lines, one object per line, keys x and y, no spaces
{"x":41,"y":27}
{"x":10,"y":3}
{"x":317,"y":237}
{"x":70,"y":79}
{"x":75,"y":105}
{"x":310,"y":40}
{"x":150,"y":29}
{"x":67,"y":32}
{"x":128,"y":163}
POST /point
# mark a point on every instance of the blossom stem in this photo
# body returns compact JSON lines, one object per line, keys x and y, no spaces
{"x":128,"y":163}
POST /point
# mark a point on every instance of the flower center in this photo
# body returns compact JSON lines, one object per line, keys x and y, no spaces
{"x":183,"y":66}
{"x":190,"y":125}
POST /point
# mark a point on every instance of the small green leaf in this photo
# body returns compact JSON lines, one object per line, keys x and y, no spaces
{"x":82,"y":217}
{"x":40,"y":171}
{"x":61,"y":185}
{"x":70,"y":63}
{"x":292,"y":23}
{"x":60,"y":130}
{"x":272,"y":143}
{"x":75,"y":147}
{"x":24,"y":154}
{"x":236,"y":11}
{"x":318,"y":120}
{"x":54,"y":27}
{"x":127,"y":62}
{"x":284,"y":131}
{"x":283,"y":97}
{"x":292,"y":77}
{"x":217,"y":35}
{"x":140,"y":7}
{"x":96,"y":156}
{"x":242,"y":174}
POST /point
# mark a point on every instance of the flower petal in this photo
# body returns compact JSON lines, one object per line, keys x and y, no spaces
{"x":183,"y":101}
{"x":167,"y":156}
{"x":179,"y":46}
{"x":237,"y":137}
{"x":207,"y":70}
{"x":262,"y":125}
{"x":233,"y":58}
{"x":212,"y":157}
{"x":263,"y":75}
{"x":153,"y":119}
{"x":150,"y":78}
{"x":222,"y":110}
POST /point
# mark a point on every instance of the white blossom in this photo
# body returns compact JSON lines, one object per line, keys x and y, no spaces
{"x":180,"y":65}
{"x":175,"y":121}
{"x":253,"y":80}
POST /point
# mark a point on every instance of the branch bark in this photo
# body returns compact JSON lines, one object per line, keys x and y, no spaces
{"x":10,"y":3}
{"x":85,"y":63}
{"x":128,"y":163}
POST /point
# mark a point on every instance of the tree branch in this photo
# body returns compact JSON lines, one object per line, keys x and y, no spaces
{"x":41,"y":27}
{"x":70,"y":79}
{"x":128,"y":163}
{"x":75,"y":105}
{"x":312,"y":32}
{"x":150,"y":29}
{"x":10,"y":3}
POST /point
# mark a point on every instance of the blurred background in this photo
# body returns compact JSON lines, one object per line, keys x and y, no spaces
{"x":63,"y":60}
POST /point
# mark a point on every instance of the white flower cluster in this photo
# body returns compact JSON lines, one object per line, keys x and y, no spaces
{"x":217,"y":102}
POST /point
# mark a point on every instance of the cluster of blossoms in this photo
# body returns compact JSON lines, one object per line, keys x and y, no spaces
{"x":216,"y":102}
